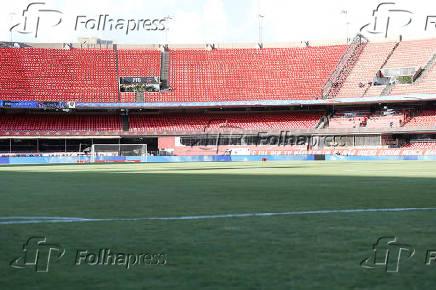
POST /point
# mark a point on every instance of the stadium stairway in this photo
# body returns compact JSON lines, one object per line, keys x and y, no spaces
{"x":387,"y":90}
{"x":426,"y":69}
{"x":117,"y":69}
{"x":408,"y":117}
{"x":125,"y":122}
{"x":348,"y":60}
{"x":165,"y":69}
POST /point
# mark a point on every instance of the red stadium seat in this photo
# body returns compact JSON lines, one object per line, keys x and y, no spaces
{"x":249,"y":74}
{"x":89,"y":75}
{"x":60,"y":123}
{"x":203,"y":122}
{"x":426,"y":118}
{"x":36,"y":74}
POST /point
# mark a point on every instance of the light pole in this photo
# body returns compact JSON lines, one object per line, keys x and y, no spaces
{"x":260,"y":16}
{"x":347,"y":24}
{"x":11,"y":18}
{"x":167,"y":27}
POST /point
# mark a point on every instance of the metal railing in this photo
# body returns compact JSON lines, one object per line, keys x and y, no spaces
{"x":343,"y":64}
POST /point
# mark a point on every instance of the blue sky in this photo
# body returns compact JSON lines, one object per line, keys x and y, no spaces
{"x":218,"y":21}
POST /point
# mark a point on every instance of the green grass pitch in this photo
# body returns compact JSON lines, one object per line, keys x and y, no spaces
{"x":313,"y":251}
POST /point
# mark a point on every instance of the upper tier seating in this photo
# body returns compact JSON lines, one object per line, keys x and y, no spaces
{"x":36,"y":74}
{"x":127,"y":97}
{"x":249,"y":74}
{"x":139,"y":63}
{"x":364,"y":71}
{"x":408,"y":54}
{"x":426,"y":85}
{"x":89,"y":75}
{"x":203,"y":122}
{"x":426,"y":118}
{"x":414,"y":53}
{"x":60,"y":122}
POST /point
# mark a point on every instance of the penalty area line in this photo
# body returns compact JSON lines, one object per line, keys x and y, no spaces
{"x":41,"y":220}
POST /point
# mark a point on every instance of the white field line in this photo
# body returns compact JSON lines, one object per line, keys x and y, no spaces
{"x":42,"y":220}
{"x":32,"y":217}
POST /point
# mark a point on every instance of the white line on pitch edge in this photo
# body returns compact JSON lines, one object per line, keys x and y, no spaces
{"x":40,"y":220}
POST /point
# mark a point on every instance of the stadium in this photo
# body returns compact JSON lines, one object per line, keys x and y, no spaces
{"x":329,"y":101}
{"x":261,"y":165}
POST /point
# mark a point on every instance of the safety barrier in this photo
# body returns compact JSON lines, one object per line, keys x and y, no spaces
{"x":215,"y":158}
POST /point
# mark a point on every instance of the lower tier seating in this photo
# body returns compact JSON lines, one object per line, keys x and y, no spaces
{"x":386,"y":121}
{"x":204,"y":122}
{"x":60,"y":122}
{"x":343,"y":119}
{"x":426,"y":118}
{"x":209,"y":121}
{"x":421,"y":144}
